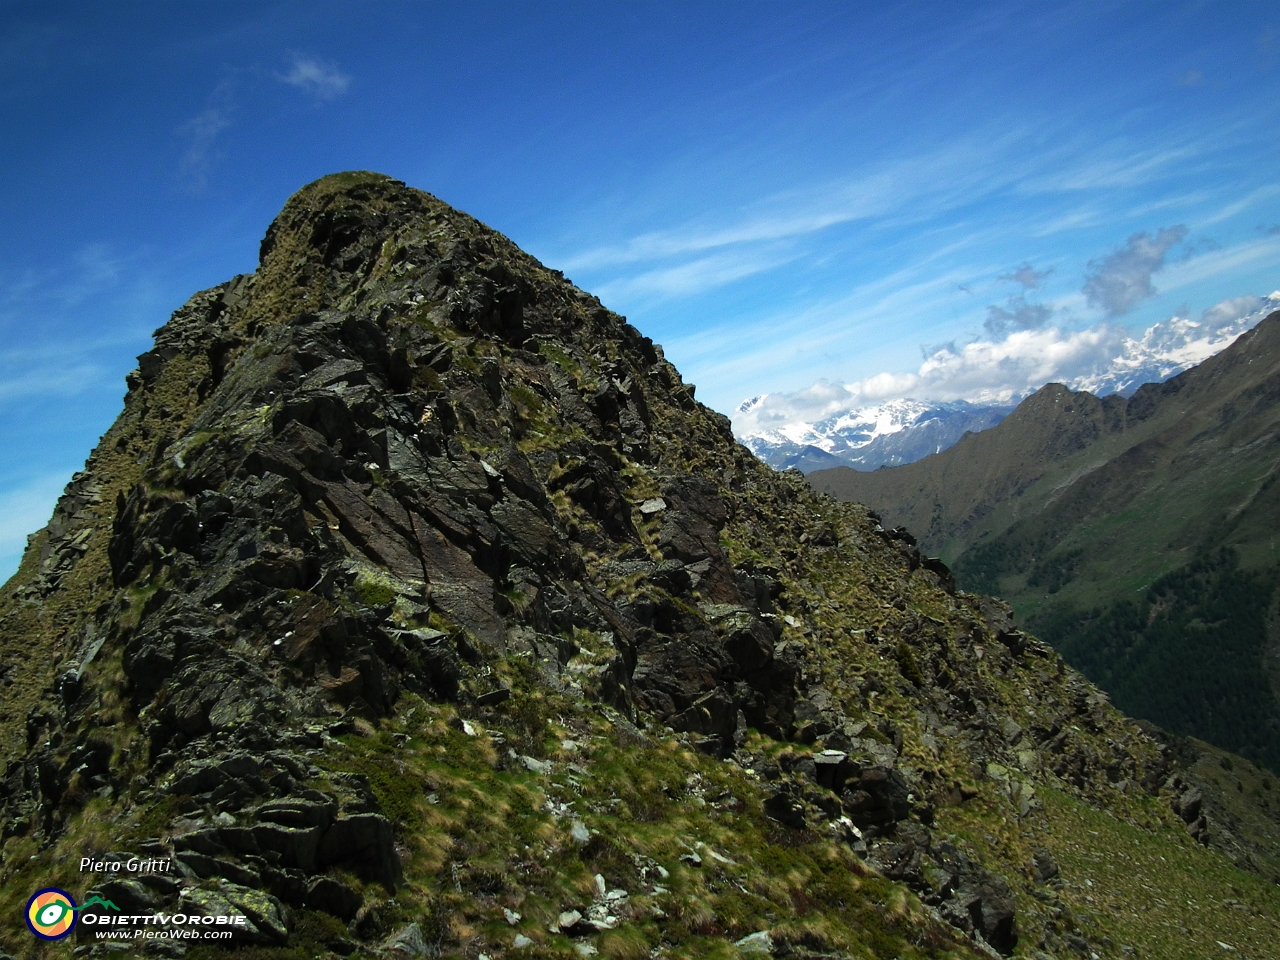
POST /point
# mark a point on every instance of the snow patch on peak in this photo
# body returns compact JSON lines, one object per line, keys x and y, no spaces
{"x":889,"y":433}
{"x":1167,"y":348}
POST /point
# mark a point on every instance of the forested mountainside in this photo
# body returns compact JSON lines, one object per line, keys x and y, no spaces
{"x":414,"y":606}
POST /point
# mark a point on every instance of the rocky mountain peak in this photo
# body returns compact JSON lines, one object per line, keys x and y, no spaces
{"x":413,"y":604}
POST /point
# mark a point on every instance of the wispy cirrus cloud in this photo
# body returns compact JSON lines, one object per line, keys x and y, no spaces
{"x":36,"y":310}
{"x":53,"y":377}
{"x":1218,"y":261}
{"x":1113,"y":169}
{"x":869,"y":263}
{"x":696,"y":276}
{"x":316,"y":77}
{"x":1009,"y":164}
{"x":753,"y":350}
{"x":921,"y":186}
{"x":202,"y":132}
{"x":792,"y":216}
{"x":1244,"y":203}
{"x":1025,"y":343}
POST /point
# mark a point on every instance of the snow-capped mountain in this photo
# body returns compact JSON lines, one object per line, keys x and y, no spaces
{"x":1167,"y":348}
{"x":888,"y":434}
{"x":903,"y":430}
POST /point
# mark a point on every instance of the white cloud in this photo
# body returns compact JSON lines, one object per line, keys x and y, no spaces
{"x":1229,"y":311}
{"x":774,"y":410}
{"x":1018,"y":313}
{"x":989,"y":371}
{"x":1102,"y":358}
{"x":1173,"y":345}
{"x":316,"y":78}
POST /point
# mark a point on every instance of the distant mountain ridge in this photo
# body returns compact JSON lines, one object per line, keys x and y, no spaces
{"x":1075,"y":507}
{"x":866,"y":438}
{"x":901,"y":431}
{"x":1166,"y":349}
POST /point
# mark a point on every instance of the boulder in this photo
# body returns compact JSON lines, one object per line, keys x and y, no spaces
{"x":210,"y":903}
{"x":408,"y":941}
{"x":205,"y":866}
{"x":878,"y":798}
{"x":295,"y":846}
{"x":365,"y":842}
{"x":1043,"y":866}
{"x":786,"y":808}
{"x":755,"y":944}
{"x":333,"y":897}
{"x":263,"y":910}
{"x":990,"y":903}
{"x":297,"y":813}
{"x":129,"y":896}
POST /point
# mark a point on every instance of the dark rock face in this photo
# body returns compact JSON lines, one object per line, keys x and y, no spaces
{"x":333,"y":897}
{"x":363,"y":500}
{"x":356,"y":458}
{"x":366,"y":840}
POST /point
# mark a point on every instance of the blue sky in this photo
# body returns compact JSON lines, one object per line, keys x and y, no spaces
{"x":782,"y":194}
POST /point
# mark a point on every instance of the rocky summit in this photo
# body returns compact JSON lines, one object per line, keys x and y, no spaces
{"x":413,"y":606}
